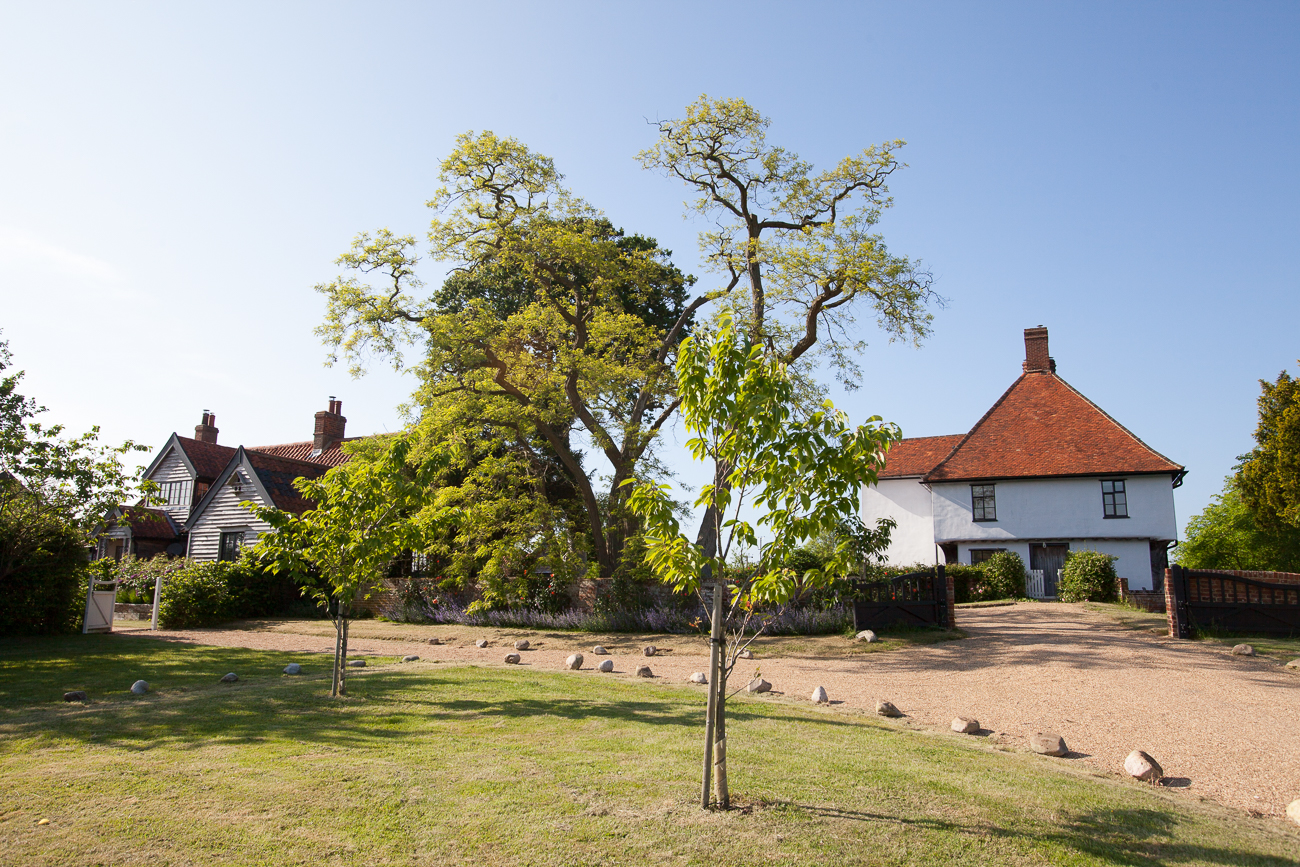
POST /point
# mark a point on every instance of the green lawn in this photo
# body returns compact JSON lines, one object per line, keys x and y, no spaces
{"x":431,"y":764}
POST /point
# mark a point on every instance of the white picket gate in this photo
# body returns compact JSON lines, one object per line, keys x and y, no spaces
{"x":100,"y":596}
{"x":1034,"y":584}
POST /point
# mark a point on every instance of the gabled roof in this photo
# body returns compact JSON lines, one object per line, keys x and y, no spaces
{"x":272,"y":478}
{"x":277,"y":474}
{"x":145,"y":522}
{"x":205,"y":460}
{"x":302,"y":451}
{"x":916,"y":456}
{"x":1042,"y":427}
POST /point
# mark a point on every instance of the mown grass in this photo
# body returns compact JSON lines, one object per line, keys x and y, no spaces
{"x":1279,"y":647}
{"x":808,"y":646}
{"x":431,"y":764}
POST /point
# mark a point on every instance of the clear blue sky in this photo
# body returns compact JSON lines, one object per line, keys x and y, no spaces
{"x":176,"y":177}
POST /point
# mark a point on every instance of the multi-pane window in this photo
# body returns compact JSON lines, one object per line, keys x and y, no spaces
{"x":174,"y":493}
{"x":981,"y":555}
{"x":230,"y":545}
{"x":1114,"y":502}
{"x":983,"y":503}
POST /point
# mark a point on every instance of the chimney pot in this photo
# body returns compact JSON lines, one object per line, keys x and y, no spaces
{"x":206,"y":431}
{"x":330,"y":426}
{"x":1037,"y":358}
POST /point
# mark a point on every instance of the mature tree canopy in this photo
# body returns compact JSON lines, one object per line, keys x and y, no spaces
{"x":557,"y":331}
{"x":553,"y":324}
{"x":1269,"y":480}
{"x":802,"y":242}
{"x":1225,"y":536}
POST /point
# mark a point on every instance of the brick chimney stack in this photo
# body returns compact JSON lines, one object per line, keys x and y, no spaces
{"x":206,"y":431}
{"x":1036,"y":358}
{"x":329,"y":427}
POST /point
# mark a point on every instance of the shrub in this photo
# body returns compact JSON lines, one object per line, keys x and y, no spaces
{"x":201,"y":594}
{"x":1088,"y":576}
{"x":44,"y":593}
{"x":1004,"y":576}
{"x":967,"y":583}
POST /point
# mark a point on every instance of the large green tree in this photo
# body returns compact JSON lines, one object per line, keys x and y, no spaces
{"x":558,"y":327}
{"x":801,"y":472}
{"x":797,"y":249}
{"x":554,"y":333}
{"x":1225,"y":535}
{"x":1269,"y":479}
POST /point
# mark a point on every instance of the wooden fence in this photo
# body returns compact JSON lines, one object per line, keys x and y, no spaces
{"x":917,"y":599}
{"x":1232,"y":602}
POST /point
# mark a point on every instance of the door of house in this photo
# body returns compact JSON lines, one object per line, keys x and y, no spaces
{"x":1050,"y":559}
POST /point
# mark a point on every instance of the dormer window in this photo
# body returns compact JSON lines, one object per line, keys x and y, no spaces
{"x":983,"y":503}
{"x":1114,"y":501}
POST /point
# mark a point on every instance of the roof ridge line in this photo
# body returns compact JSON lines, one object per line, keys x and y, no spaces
{"x":1137,"y":439}
{"x":969,"y":433}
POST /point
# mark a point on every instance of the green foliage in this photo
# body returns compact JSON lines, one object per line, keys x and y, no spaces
{"x":1269,"y":480}
{"x":1004,"y":577}
{"x":802,"y":241}
{"x":136,"y":576}
{"x":968,"y":583}
{"x":203,"y":594}
{"x":1088,"y":576}
{"x":44,"y":593}
{"x":802,"y":474}
{"x":1225,"y":536}
{"x":50,"y":484}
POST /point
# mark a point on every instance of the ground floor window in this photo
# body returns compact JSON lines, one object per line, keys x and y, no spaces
{"x":980,"y":555}
{"x":231,"y":542}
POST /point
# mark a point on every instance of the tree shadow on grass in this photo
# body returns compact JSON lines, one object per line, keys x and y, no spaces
{"x":298,"y":709}
{"x":1118,"y":836}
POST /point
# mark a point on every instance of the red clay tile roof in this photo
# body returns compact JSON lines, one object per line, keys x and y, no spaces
{"x":277,"y":475}
{"x":147,"y":523}
{"x":303,"y":452}
{"x":1041,"y":426}
{"x":918,"y":455}
{"x":209,"y":459}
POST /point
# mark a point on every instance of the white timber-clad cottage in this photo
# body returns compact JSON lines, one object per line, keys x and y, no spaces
{"x":196,"y":512}
{"x":1044,"y":472}
{"x":221,"y":525}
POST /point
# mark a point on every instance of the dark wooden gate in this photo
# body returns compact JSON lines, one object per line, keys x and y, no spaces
{"x":1211,"y":600}
{"x":918,"y":599}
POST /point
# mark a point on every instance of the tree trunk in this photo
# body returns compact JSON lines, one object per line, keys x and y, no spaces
{"x":338,"y":646}
{"x":715,"y":658}
{"x":343,"y":661}
{"x":721,"y":794}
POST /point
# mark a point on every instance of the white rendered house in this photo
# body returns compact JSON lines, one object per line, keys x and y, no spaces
{"x":1044,"y":472}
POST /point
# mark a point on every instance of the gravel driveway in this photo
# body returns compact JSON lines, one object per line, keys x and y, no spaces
{"x":1225,"y":728}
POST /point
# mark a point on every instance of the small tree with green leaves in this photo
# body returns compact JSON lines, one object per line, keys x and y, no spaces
{"x":801,"y":473}
{"x":364,"y":517}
